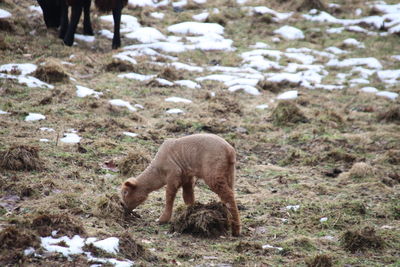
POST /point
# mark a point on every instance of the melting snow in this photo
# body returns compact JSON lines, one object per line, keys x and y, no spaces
{"x":370,"y":62}
{"x":188,"y":83}
{"x":23,"y":68}
{"x":157,"y":15}
{"x":110,"y":245}
{"x":369,"y":89}
{"x":290,"y":33}
{"x":85,"y":38}
{"x":35,"y":117}
{"x":130,"y":134}
{"x":389,"y":76}
{"x":136,"y":76}
{"x":84,"y":91}
{"x":323,"y":219}
{"x":174,"y":111}
{"x":4,"y":14}
{"x":353,"y":42}
{"x":122,"y":103}
{"x":196,"y":28}
{"x":74,"y":245}
{"x":293,"y":207}
{"x":246,"y":88}
{"x":266,"y":246}
{"x":201,"y":16}
{"x":262,"y":106}
{"x":175,"y":99}
{"x":390,"y":95}
{"x":288,"y":95}
{"x":70,"y":138}
{"x":276,"y":15}
{"x":3,"y":112}
{"x":146,"y":35}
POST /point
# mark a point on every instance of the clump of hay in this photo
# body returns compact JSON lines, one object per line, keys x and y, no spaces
{"x":312,"y":4}
{"x":51,"y":71}
{"x":392,"y":156}
{"x":13,"y":238}
{"x":205,"y":220}
{"x":170,"y":73}
{"x":21,"y":158}
{"x":361,"y":170}
{"x":110,"y":207}
{"x":335,"y":154}
{"x":117,"y":65}
{"x":361,"y":240}
{"x":390,"y":115}
{"x":224,"y":104}
{"x":131,"y":249}
{"x":135,"y":162}
{"x":13,"y":242}
{"x":62,"y":223}
{"x":286,"y":113}
{"x":216,"y":18}
{"x":321,"y":260}
{"x":275,"y":87}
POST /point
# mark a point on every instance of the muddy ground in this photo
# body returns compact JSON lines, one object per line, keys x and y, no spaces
{"x":334,"y":153}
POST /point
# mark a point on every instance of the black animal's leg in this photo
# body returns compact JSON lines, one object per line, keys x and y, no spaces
{"x":75,"y":16}
{"x":116,"y":42}
{"x":63,"y":20}
{"x":87,"y":25}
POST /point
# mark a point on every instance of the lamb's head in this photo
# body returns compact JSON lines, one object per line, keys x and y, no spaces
{"x":131,"y":194}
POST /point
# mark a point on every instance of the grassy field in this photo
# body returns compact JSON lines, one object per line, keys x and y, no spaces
{"x":335,"y":153}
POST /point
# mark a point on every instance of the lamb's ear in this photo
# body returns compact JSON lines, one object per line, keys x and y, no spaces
{"x":130,"y":184}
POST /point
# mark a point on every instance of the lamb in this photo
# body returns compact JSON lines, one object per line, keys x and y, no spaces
{"x":55,"y":14}
{"x":177,"y":162}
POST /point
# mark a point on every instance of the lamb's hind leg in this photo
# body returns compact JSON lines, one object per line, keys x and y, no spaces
{"x":87,"y":24}
{"x":188,"y":192}
{"x":225,"y":192}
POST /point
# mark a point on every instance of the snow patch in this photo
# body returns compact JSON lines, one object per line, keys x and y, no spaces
{"x":290,"y":33}
{"x":35,"y":117}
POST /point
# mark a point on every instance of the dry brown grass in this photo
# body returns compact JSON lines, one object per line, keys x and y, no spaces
{"x":21,"y":158}
{"x":209,"y":220}
{"x":287,"y":112}
{"x":361,"y":240}
{"x":51,"y":71}
{"x":135,"y":162}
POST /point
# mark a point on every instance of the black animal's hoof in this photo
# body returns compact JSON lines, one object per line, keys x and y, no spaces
{"x":68,"y":42}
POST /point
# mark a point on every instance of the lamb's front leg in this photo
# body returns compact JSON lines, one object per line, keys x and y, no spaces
{"x":170,"y":194}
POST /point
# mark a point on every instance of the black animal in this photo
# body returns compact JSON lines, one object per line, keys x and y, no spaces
{"x":55,"y":14}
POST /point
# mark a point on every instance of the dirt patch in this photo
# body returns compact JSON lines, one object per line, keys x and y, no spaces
{"x":361,"y":240}
{"x":204,"y":220}
{"x":286,"y":113}
{"x":390,"y":115}
{"x":311,"y":4}
{"x":135,"y":162}
{"x":275,"y":87}
{"x":109,"y":207}
{"x":244,"y":247}
{"x":21,"y":158}
{"x":6,"y":26}
{"x":321,"y":260}
{"x":51,"y":71}
{"x":117,"y":65}
{"x":62,"y":223}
